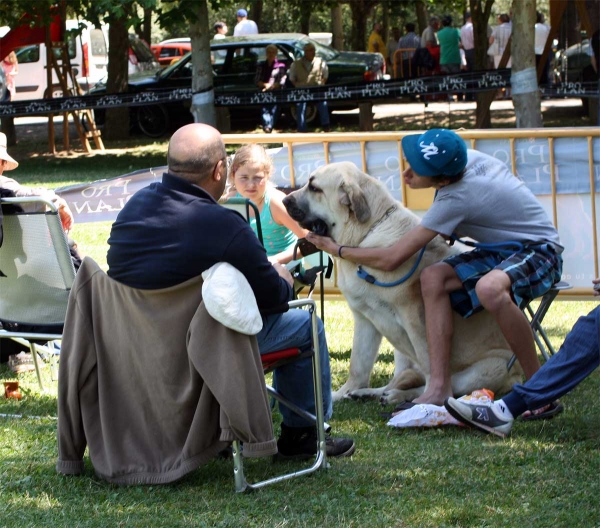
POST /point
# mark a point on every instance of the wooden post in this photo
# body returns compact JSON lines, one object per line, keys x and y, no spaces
{"x":365,"y":116}
{"x":49,"y":58}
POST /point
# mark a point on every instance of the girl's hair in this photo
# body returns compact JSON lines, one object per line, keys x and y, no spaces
{"x":252,"y":152}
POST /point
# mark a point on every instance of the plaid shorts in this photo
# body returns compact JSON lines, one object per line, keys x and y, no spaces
{"x":532,"y":273}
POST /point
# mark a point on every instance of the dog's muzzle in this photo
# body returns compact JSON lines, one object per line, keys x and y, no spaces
{"x":316,"y":225}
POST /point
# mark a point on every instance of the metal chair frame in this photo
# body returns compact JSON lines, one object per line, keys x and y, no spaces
{"x":59,"y":248}
{"x":320,"y":461}
{"x":536,"y":318}
{"x":243,"y":206}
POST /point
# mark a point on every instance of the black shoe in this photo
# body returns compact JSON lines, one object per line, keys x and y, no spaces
{"x":267,"y":129}
{"x":300,"y":443}
{"x":326,"y":128}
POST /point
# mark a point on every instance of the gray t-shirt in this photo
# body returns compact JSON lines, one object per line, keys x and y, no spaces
{"x":490,"y":205}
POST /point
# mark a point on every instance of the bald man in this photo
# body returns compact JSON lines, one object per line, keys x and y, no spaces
{"x":173,"y":230}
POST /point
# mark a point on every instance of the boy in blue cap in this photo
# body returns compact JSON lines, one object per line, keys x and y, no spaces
{"x":477,"y":197}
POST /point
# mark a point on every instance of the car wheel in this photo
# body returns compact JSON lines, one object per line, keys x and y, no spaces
{"x":56,"y":92}
{"x":311,"y":113}
{"x":153,"y":120}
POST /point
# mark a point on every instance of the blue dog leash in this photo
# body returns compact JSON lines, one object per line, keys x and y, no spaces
{"x":372,"y":280}
{"x":509,"y":247}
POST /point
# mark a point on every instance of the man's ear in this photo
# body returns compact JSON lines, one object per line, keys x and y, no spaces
{"x":353,"y":196}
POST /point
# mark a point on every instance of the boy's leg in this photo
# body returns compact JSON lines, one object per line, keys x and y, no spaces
{"x":494,"y":293}
{"x":437,"y":281}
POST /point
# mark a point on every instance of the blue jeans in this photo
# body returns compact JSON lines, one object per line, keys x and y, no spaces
{"x":577,"y":358}
{"x":301,"y":115}
{"x":295,"y":380}
{"x":270,"y":113}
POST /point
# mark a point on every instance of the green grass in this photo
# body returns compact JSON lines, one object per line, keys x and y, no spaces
{"x":546,"y":474}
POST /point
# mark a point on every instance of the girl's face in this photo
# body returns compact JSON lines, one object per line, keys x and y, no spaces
{"x":251,"y":181}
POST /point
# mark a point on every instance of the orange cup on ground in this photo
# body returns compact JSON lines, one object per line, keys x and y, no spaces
{"x":11,"y":390}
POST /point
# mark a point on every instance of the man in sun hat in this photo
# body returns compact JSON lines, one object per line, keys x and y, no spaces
{"x":244,"y":26}
{"x":477,"y":196}
{"x":7,"y":163}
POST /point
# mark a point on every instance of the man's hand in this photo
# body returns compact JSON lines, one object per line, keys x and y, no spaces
{"x":65,"y":214}
{"x":596,"y":283}
{"x":324,"y":243}
{"x":284,"y":273}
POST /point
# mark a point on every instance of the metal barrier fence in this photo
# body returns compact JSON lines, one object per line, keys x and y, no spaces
{"x":561,"y":166}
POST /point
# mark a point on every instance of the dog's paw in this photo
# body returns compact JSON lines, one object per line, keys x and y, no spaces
{"x":391,"y":397}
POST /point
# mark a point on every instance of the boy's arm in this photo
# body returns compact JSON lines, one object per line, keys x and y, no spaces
{"x":385,"y":259}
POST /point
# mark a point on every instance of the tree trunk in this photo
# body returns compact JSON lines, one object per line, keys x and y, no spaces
{"x":570,"y":26}
{"x":7,"y":126}
{"x":360,"y":13}
{"x":256,"y":14}
{"x":480,"y":13}
{"x":203,"y":100}
{"x":117,"y":119}
{"x":385,"y":20}
{"x":525,"y":91}
{"x":422,"y":17}
{"x":147,"y":27}
{"x":337,"y":27}
{"x":305,"y":11}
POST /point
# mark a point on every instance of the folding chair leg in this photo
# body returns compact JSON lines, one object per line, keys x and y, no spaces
{"x":34,"y":355}
{"x":241,"y":484}
{"x":300,"y":412}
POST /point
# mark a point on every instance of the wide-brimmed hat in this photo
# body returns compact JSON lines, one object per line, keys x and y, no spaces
{"x":10,"y":162}
{"x":437,"y":152}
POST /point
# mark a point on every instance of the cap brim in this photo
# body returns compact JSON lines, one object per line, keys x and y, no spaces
{"x":410,"y":147}
{"x":10,"y":162}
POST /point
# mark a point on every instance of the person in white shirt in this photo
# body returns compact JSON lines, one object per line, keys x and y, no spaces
{"x":244,"y":26}
{"x":220,"y":29}
{"x":468,"y":42}
{"x":541,"y":36}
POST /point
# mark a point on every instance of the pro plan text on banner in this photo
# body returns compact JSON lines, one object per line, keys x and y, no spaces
{"x":102,"y":200}
{"x":372,"y":91}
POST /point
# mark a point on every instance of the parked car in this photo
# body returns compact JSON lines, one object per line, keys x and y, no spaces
{"x":140,"y":56}
{"x":234,"y":66}
{"x":170,"y":51}
{"x":574,"y":64}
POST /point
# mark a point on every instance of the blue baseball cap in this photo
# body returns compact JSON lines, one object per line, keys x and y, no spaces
{"x":437,"y":152}
{"x":242,"y":13}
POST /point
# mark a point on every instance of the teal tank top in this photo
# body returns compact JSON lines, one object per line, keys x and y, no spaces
{"x":276,"y":238}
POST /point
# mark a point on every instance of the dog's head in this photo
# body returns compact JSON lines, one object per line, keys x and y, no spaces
{"x":336,"y":195}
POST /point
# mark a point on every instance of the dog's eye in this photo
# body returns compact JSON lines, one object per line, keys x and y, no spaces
{"x":312,"y":188}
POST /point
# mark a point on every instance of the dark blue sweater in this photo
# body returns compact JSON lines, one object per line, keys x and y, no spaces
{"x":172,"y":231}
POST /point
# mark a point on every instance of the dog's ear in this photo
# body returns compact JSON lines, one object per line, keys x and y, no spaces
{"x":353,"y":196}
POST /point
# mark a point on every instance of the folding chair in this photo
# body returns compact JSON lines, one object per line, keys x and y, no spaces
{"x":36,"y":275}
{"x":276,"y":359}
{"x":270,"y":362}
{"x":536,"y":318}
{"x":303,"y":279}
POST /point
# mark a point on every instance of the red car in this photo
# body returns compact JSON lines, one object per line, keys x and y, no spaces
{"x":170,"y":51}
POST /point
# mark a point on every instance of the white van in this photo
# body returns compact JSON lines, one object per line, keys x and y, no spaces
{"x":89,"y":59}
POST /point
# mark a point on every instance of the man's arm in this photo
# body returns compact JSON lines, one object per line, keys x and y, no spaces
{"x":271,"y":286}
{"x":385,"y":259}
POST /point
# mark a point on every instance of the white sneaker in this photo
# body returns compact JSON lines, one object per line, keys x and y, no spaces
{"x":484,"y":416}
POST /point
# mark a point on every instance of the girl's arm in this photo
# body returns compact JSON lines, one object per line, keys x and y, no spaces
{"x":281,"y":217}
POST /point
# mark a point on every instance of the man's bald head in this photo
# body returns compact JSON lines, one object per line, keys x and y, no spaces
{"x":194,"y":150}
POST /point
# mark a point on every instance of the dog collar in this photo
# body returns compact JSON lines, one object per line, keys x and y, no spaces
{"x":382,"y":219}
